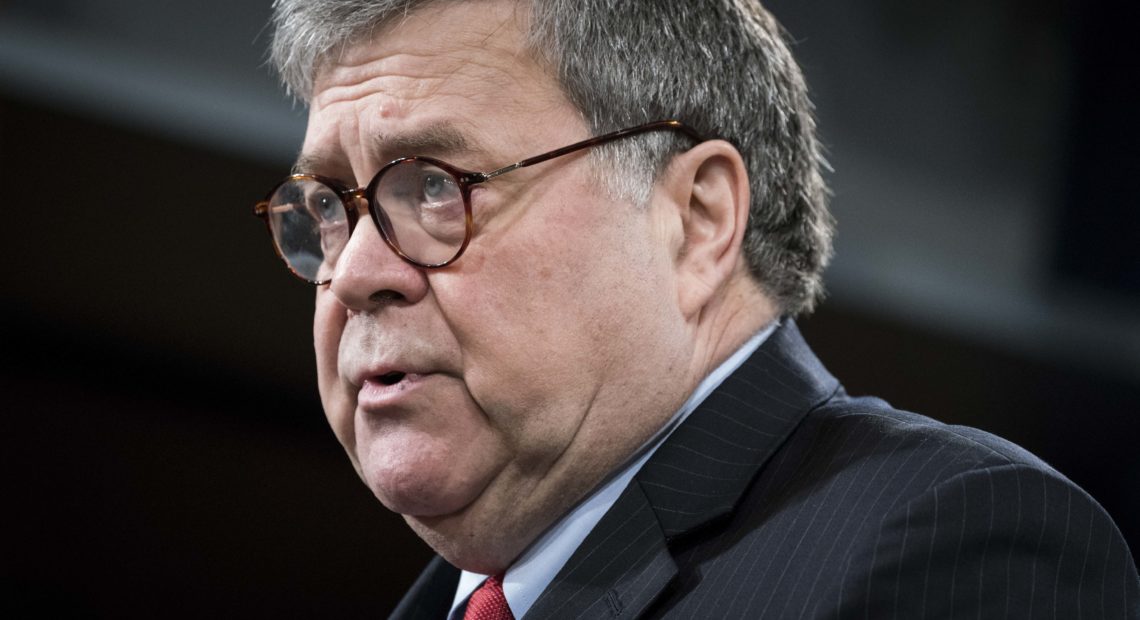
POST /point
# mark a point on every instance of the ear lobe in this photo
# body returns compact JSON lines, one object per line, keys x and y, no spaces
{"x":713,"y":178}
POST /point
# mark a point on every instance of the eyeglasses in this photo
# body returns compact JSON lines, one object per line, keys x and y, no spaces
{"x":420,"y":205}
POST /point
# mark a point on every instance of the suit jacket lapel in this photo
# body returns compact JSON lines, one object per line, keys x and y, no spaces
{"x":617,"y":571}
{"x":694,"y":479}
{"x":705,"y":467}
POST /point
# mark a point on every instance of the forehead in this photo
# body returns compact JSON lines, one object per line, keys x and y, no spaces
{"x":448,"y":75}
{"x":478,"y":39}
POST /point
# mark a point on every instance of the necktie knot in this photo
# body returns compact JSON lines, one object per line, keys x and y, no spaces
{"x":489,"y":602}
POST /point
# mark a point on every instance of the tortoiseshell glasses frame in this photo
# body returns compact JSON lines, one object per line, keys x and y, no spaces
{"x":420,"y":205}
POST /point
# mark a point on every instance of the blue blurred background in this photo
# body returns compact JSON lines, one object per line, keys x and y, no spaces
{"x":166,"y":452}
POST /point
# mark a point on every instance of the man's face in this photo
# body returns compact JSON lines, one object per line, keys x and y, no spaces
{"x":481,"y":400}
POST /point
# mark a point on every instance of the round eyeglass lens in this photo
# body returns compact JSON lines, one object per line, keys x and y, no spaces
{"x":309,"y":225}
{"x":423,"y":212}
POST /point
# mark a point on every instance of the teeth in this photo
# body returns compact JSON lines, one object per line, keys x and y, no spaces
{"x":391,"y":378}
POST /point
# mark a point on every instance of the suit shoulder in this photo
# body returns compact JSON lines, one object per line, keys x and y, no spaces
{"x":867,"y":511}
{"x":861,"y":454}
{"x":869,"y":428}
{"x":963,"y":523}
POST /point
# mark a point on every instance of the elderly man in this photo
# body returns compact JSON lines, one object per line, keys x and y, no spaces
{"x":558,"y":249}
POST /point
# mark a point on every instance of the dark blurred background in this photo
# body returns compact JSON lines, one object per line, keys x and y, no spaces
{"x":165,"y":450}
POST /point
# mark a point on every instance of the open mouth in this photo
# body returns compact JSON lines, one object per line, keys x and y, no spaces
{"x":380,"y":391}
{"x":391,"y":378}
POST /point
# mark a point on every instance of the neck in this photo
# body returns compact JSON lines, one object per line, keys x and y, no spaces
{"x":727,"y":322}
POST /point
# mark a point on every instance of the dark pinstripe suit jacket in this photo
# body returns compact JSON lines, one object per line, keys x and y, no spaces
{"x":782,"y":497}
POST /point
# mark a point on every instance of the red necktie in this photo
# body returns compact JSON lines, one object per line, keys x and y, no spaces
{"x":488,"y":602}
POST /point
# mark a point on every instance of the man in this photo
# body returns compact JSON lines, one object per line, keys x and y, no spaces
{"x":575,"y":370}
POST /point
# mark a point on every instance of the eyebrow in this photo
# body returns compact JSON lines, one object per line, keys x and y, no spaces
{"x":440,"y":138}
{"x":307,"y":163}
{"x":435,"y":139}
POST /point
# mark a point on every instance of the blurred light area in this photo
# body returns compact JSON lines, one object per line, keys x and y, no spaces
{"x":944,"y":124}
{"x":190,"y":72}
{"x":948,"y":127}
{"x":912,"y":249}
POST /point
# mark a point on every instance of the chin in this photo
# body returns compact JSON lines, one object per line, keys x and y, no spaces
{"x":416,"y":495}
{"x":414,"y":483}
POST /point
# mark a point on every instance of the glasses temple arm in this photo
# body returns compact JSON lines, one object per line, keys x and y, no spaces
{"x":595,"y":141}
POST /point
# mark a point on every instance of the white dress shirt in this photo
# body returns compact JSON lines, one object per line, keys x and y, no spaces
{"x":533,"y":571}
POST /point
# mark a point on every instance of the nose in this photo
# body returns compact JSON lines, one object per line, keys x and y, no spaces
{"x":368,"y":274}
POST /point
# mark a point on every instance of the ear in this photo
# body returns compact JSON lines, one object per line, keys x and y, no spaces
{"x":708,"y":184}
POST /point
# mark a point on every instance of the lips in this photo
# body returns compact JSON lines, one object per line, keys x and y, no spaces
{"x":385,"y":373}
{"x":388,"y":389}
{"x":379,"y":370}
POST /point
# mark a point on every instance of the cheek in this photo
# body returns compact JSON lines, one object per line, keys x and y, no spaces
{"x":546,"y":317}
{"x":328,"y":325}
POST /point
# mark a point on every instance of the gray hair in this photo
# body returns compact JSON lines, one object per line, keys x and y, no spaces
{"x":722,"y":67}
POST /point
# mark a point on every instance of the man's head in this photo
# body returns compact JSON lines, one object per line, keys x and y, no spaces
{"x":483,"y":399}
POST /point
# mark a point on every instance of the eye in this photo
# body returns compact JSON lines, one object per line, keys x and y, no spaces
{"x":437,"y":187}
{"x":326,"y":206}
